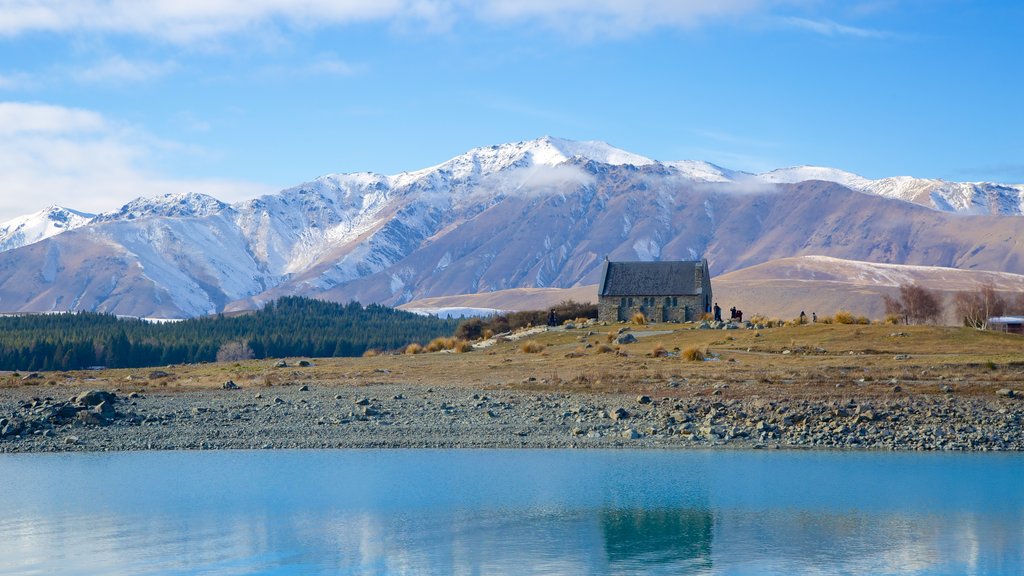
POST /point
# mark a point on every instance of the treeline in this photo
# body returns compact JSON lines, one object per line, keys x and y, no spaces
{"x":291,"y":326}
{"x":475,"y":328}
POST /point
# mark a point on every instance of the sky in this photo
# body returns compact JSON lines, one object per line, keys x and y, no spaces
{"x":103,"y":101}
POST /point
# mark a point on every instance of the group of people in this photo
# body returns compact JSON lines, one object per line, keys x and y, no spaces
{"x":736,"y":315}
{"x":803,"y":317}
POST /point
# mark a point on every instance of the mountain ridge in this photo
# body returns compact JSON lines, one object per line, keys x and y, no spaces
{"x":532,"y":214}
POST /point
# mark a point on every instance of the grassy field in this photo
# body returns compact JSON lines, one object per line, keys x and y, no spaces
{"x":809,"y":362}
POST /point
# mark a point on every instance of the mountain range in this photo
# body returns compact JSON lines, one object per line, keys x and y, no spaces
{"x":535,"y":214}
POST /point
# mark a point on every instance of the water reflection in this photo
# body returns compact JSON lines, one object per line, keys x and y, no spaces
{"x":675,"y":537}
{"x":510,"y":512}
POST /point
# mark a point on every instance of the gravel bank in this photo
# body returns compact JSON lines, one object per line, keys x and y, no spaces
{"x":57,"y":418}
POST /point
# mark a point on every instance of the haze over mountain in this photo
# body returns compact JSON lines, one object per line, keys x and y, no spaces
{"x":536,"y":214}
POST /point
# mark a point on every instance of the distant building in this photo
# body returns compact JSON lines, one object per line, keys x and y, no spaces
{"x":677,"y":291}
{"x":1012,"y":324}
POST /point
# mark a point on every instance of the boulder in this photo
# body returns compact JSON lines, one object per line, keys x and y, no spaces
{"x":630,"y":434}
{"x":230,"y":385}
{"x":305,"y":363}
{"x":94,"y":398}
{"x":280,"y":364}
{"x":620,"y":414}
{"x":626,"y":338}
{"x":1006,"y":392}
{"x":642,"y":399}
{"x":89,"y":418}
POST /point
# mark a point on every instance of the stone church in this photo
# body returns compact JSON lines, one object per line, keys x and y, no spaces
{"x":677,"y":291}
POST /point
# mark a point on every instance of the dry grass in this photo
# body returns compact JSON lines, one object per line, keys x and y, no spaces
{"x":438,"y":344}
{"x":838,"y":361}
{"x":659,"y":351}
{"x":462,"y":346}
{"x":692,"y":354}
{"x":639,"y":319}
{"x":371,"y":352}
{"x":844,"y":317}
{"x":531,"y":347}
{"x":414,"y":348}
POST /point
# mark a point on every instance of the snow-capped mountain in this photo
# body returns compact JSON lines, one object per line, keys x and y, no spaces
{"x":47,"y":222}
{"x":536,"y":214}
{"x":959,"y":197}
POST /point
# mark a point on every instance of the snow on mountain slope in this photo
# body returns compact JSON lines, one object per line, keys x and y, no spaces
{"x":182,"y":205}
{"x":32,"y":228}
{"x":804,"y":173}
{"x":705,"y":171}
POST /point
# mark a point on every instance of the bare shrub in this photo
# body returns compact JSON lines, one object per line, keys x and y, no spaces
{"x":234,"y":351}
{"x":915,"y":303}
{"x":862,"y":320}
{"x":975,"y":308}
{"x":693,"y":354}
{"x":531,"y":347}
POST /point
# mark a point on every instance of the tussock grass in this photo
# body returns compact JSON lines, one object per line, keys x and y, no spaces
{"x":371,"y":353}
{"x":414,"y":348}
{"x":639,"y":319}
{"x":438,"y":344}
{"x":693,"y":354}
{"x":531,"y":347}
{"x":844,"y":317}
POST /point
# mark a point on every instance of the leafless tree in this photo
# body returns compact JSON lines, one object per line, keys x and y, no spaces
{"x":975,"y":308}
{"x":234,"y":351}
{"x":915,"y":304}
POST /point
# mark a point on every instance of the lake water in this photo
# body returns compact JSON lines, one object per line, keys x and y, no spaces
{"x":512,"y":512}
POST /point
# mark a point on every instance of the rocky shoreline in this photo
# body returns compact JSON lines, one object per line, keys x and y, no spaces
{"x":63,"y":419}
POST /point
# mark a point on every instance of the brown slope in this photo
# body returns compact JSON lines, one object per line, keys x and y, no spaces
{"x":511,"y":299}
{"x":783,"y":288}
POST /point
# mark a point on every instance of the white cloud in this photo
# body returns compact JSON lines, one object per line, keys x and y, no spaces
{"x":121,"y":69}
{"x":616,"y":18}
{"x":79,"y":159}
{"x":23,"y":119}
{"x":331,"y":66}
{"x":15,"y":81}
{"x":185,"y":21}
{"x":830,"y":28}
{"x":188,"y":20}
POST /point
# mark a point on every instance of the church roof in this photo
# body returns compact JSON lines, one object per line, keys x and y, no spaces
{"x":674,"y":278}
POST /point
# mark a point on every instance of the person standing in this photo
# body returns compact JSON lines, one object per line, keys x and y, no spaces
{"x":718,"y":313}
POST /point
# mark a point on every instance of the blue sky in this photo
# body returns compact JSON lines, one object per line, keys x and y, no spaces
{"x":102,"y":101}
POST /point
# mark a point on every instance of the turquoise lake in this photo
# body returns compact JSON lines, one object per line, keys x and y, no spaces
{"x":512,"y":512}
